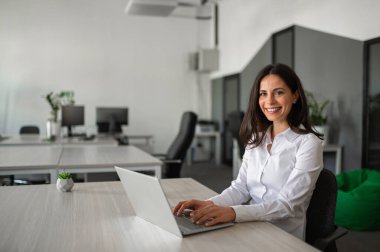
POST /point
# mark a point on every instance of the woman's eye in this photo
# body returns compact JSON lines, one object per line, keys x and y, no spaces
{"x":263,"y":94}
{"x":278,"y":93}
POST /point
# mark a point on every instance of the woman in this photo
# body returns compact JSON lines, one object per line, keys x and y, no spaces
{"x":281,"y":163}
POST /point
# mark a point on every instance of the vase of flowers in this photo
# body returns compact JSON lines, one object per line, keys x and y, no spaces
{"x":65,"y":182}
{"x":316,"y":116}
{"x":56,"y":100}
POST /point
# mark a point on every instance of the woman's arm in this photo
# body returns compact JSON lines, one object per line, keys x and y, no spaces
{"x":216,"y":209}
{"x":238,"y":192}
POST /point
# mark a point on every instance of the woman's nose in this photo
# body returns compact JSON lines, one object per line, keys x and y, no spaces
{"x":270,"y":98}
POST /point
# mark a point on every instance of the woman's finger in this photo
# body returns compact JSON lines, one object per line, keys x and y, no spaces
{"x":178,"y":206}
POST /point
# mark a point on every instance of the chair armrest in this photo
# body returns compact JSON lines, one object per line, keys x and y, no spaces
{"x":159,"y":155}
{"x":162,"y":157}
{"x":322,"y":243}
{"x":171,"y":161}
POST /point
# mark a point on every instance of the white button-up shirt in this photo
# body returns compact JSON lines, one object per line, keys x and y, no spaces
{"x":277,"y":184}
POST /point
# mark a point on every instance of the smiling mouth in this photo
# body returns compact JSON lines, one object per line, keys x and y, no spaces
{"x":273,"y":110}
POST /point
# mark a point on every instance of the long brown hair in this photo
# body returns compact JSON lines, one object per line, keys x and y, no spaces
{"x":255,"y":123}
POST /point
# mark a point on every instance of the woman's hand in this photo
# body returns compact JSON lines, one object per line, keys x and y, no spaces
{"x":191,"y":204}
{"x":213,"y":214}
{"x":206,"y":212}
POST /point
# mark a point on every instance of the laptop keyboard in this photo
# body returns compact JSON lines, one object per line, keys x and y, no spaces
{"x":187,"y":226}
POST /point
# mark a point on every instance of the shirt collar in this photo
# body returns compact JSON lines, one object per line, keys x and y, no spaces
{"x":289,"y":134}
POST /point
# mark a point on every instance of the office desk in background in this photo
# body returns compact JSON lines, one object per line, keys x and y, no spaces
{"x":88,"y":159}
{"x":337,"y":149}
{"x":144,"y":142}
{"x":31,"y":140}
{"x":211,"y":135}
{"x":26,"y":160}
{"x":99,"y":217}
{"x":76,"y":159}
{"x":27,"y":139}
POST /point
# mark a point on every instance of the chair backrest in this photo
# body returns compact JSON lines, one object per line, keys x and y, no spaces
{"x":29,"y":129}
{"x":321,"y":211}
{"x":234,"y":122}
{"x":182,"y":141}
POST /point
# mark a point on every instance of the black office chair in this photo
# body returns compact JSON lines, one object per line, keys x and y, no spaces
{"x":176,"y":153}
{"x":321,"y":231}
{"x":234,"y":120}
{"x":29,"y":129}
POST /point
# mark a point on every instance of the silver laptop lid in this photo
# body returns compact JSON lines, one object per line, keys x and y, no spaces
{"x":148,"y":199}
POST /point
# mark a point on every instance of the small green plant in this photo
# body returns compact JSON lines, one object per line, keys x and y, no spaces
{"x":56,"y":100}
{"x":64,"y":175}
{"x":316,"y":110}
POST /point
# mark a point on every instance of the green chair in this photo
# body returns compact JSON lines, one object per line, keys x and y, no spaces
{"x":358,"y":204}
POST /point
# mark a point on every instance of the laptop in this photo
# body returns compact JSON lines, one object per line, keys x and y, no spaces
{"x":149,"y":202}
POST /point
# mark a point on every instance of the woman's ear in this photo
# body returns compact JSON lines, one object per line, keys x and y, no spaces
{"x":296,"y":95}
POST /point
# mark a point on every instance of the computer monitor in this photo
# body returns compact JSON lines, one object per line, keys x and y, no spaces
{"x":109,"y":120}
{"x":72,"y":116}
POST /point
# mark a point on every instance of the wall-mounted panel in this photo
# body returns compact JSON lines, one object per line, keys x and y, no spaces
{"x":217,"y":102}
{"x":371,"y":111}
{"x":331,"y":67}
{"x":248,"y":75}
{"x":283,"y":47}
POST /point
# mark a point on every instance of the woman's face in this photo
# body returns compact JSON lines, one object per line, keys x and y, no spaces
{"x":276,"y":99}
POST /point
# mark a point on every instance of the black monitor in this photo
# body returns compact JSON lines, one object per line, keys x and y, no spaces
{"x":109,"y":120}
{"x":72,"y":116}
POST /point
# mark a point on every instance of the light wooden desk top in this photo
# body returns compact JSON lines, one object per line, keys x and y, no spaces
{"x":25,"y":157}
{"x":15,"y":159}
{"x":36,"y":139}
{"x":105,"y":156}
{"x":98,"y":217}
{"x":27,"y":139}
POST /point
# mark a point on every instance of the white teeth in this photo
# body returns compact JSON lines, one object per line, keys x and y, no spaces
{"x":271,"y":110}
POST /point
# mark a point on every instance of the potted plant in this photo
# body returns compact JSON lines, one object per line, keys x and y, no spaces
{"x":317,"y":118}
{"x":56,"y":100}
{"x":55,"y":103}
{"x":65,"y":182}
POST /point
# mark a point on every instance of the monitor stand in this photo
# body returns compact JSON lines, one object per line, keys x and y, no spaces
{"x":69,"y":131}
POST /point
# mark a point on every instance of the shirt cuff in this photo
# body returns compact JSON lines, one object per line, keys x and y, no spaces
{"x":238,"y":213}
{"x":218,"y":200}
{"x":245,"y":213}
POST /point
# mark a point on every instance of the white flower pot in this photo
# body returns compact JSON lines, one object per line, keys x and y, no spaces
{"x":65,"y":185}
{"x":325,"y":131}
{"x":53,"y":129}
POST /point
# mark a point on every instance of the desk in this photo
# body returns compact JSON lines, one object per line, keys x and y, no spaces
{"x":36,"y":160}
{"x":31,"y":139}
{"x":338,"y":156}
{"x":86,"y":159}
{"x":27,"y":139}
{"x":146,"y":138}
{"x":75,"y":159}
{"x":144,"y":142}
{"x":99,"y":217}
{"x":211,"y":135}
{"x":100,"y":140}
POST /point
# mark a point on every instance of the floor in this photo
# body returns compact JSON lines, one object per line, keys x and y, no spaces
{"x":219,"y":177}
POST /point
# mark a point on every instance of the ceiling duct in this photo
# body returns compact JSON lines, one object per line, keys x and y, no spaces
{"x":163,"y":8}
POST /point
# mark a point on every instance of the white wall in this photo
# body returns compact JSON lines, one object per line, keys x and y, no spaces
{"x":245,"y":25}
{"x":106,"y":57}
